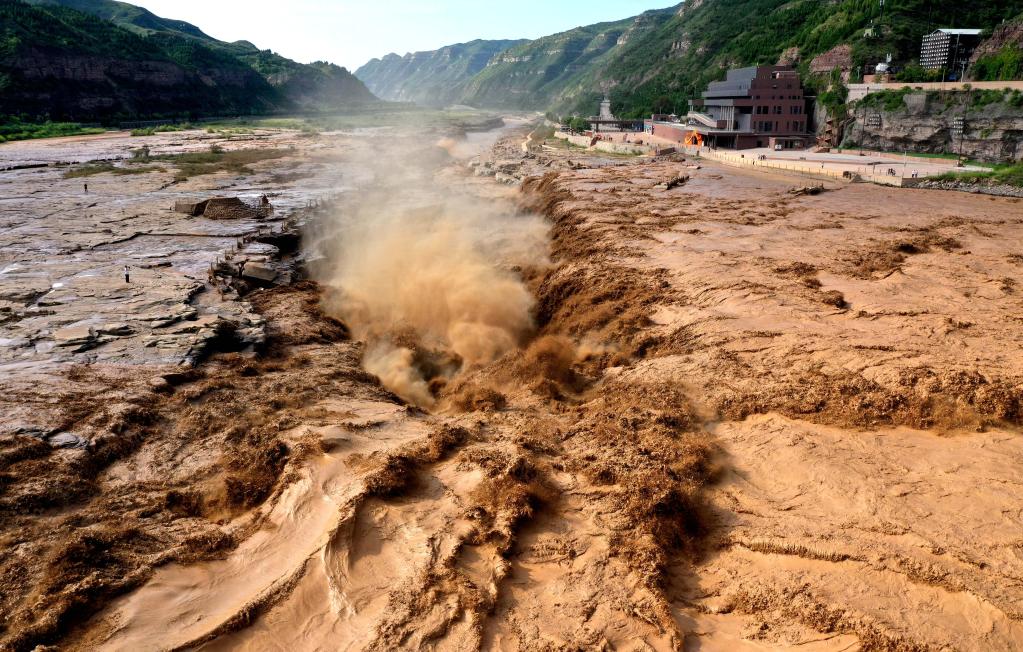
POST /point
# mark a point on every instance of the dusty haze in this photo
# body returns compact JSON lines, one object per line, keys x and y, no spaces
{"x":428,"y":280}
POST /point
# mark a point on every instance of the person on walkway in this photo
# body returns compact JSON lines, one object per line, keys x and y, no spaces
{"x":126,"y":277}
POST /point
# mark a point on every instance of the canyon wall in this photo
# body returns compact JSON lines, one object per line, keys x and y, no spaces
{"x":431,"y":78}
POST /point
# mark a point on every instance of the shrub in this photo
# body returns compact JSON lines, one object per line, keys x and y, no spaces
{"x":985,"y":97}
{"x":915,"y":73}
{"x":159,"y":129}
{"x":887,"y":100}
{"x":1005,"y":64}
{"x":576,"y":123}
{"x":14,"y":128}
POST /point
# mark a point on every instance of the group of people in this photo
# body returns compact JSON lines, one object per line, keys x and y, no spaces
{"x":892,"y":173}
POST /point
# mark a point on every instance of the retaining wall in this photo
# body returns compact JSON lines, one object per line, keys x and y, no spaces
{"x":610,"y":146}
{"x":737,"y":160}
{"x":859,"y":91}
{"x":812,"y":170}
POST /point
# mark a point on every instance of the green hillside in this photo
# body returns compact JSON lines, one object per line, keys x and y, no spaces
{"x":719,"y":34}
{"x":135,"y":19}
{"x":320,"y":85}
{"x":58,"y":63}
{"x":115,"y":61}
{"x":657,"y":61}
{"x":434,"y":78}
{"x":558,"y":70}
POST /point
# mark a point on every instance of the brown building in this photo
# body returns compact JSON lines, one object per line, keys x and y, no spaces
{"x":761,"y":106}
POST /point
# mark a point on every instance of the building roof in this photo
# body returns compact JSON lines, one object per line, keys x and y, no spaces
{"x":960,"y":32}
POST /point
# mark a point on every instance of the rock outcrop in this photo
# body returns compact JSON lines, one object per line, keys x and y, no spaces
{"x":839,"y":57}
{"x":928,"y":123}
{"x":1006,"y":35}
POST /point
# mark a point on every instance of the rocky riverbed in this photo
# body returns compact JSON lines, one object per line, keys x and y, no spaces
{"x":67,"y":240}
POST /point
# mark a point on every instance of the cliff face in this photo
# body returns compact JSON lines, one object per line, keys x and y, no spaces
{"x":925,"y":123}
{"x":117,"y":61}
{"x":432,"y":78}
{"x":38,"y":66}
{"x":91,"y":87}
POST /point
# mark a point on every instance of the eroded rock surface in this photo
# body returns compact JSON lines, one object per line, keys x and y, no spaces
{"x":63,"y":295}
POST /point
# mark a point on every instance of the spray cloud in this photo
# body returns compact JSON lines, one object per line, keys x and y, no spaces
{"x":426,"y":275}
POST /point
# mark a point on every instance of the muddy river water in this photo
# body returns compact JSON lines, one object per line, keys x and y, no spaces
{"x":503,"y":398}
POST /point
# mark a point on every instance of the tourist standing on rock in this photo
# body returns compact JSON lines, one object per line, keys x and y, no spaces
{"x":126,"y":278}
{"x":86,"y":186}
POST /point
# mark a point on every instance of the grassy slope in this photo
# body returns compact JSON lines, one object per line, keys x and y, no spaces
{"x":1005,"y":63}
{"x":1000,"y":175}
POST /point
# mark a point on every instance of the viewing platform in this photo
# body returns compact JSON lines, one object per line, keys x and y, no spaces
{"x":706,"y":120}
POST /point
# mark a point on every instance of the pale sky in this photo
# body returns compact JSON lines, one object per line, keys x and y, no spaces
{"x":351,"y":32}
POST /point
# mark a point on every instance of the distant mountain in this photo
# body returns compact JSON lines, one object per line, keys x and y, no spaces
{"x":660,"y":59}
{"x":101,"y":60}
{"x":434,"y":78}
{"x":562,"y":69}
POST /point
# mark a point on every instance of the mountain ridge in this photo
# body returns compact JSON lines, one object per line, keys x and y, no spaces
{"x":116,"y":61}
{"x":430,"y":77}
{"x":663,"y":57}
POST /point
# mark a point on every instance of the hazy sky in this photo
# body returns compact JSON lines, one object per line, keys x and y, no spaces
{"x":351,"y":32}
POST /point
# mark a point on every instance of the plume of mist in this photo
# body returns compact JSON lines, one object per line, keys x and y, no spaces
{"x":427,"y":276}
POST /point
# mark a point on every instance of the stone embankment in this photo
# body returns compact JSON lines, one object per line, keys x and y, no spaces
{"x":976,"y":188}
